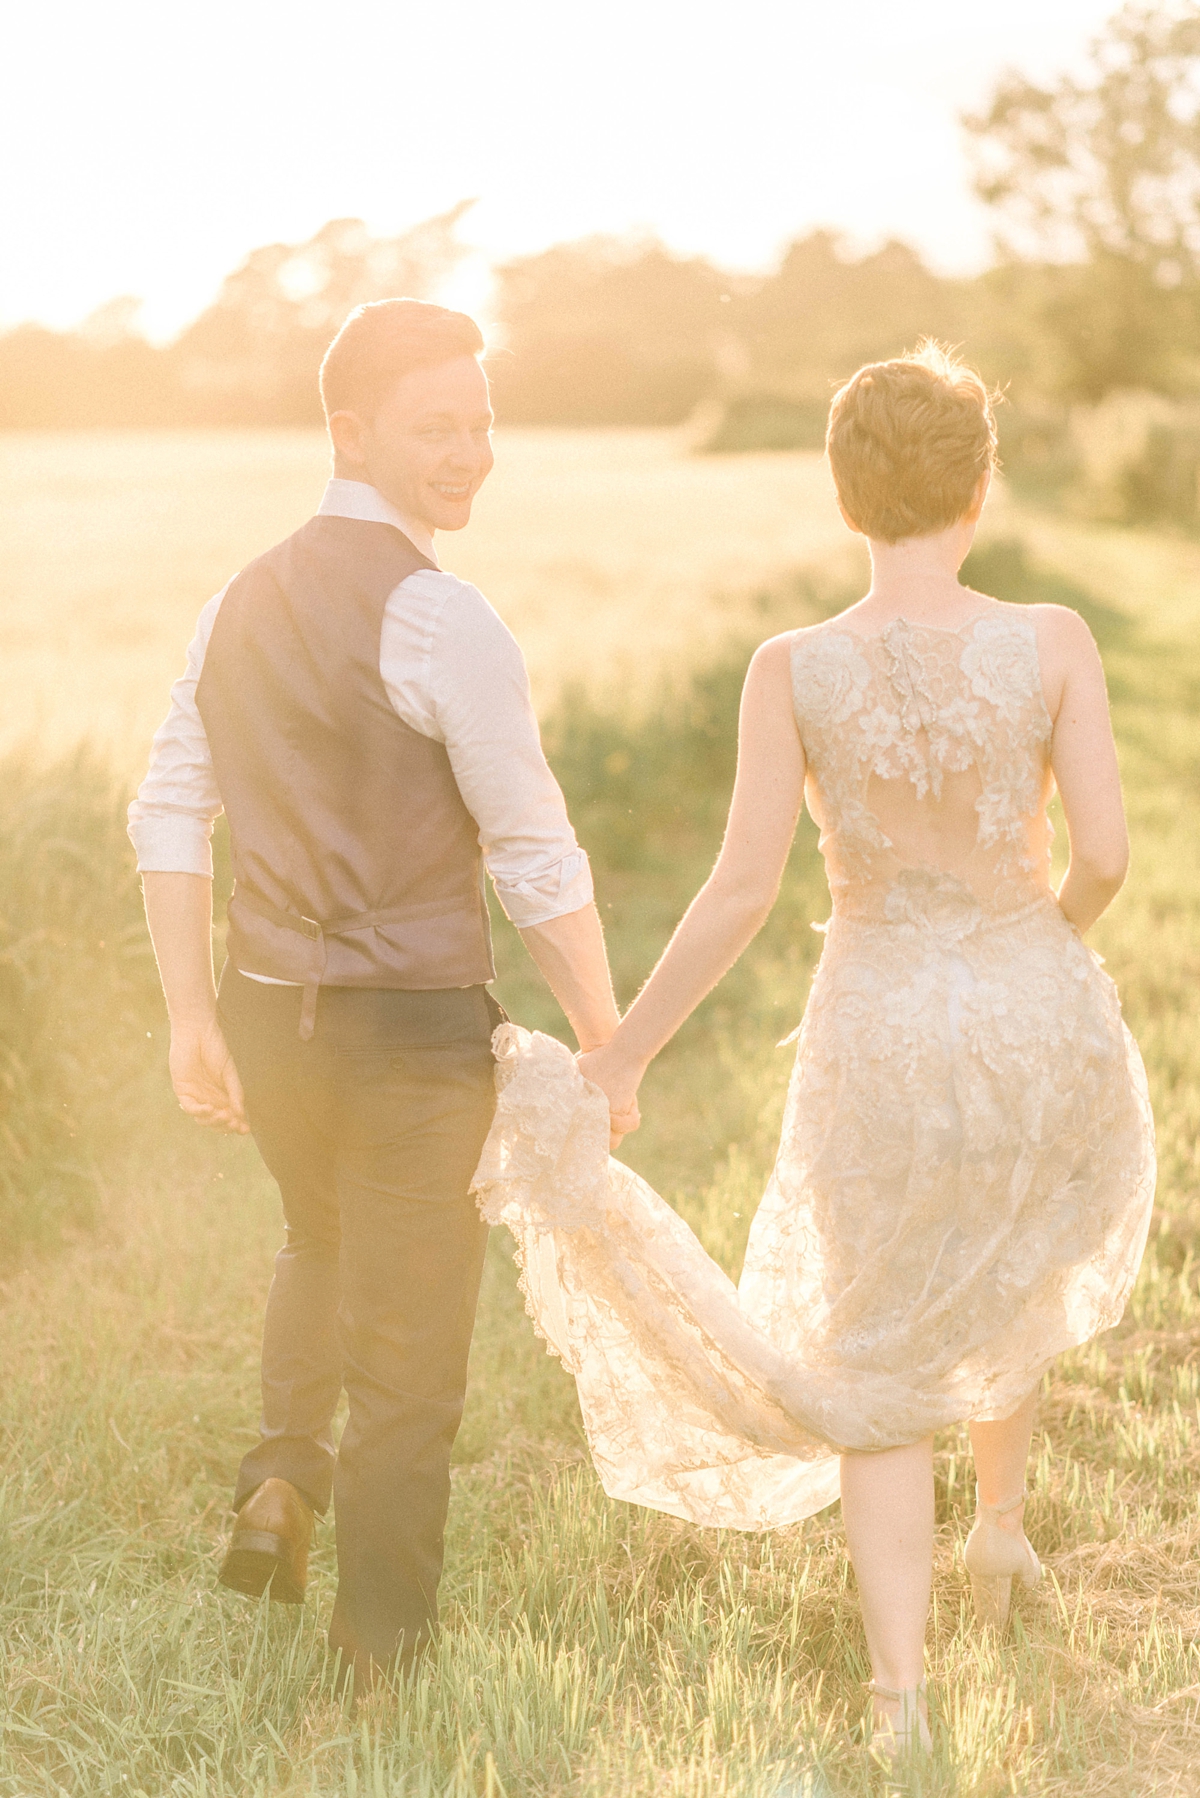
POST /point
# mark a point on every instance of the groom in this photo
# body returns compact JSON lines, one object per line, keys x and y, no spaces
{"x":363,"y":718}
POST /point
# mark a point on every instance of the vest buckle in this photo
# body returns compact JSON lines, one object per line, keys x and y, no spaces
{"x":311,"y":928}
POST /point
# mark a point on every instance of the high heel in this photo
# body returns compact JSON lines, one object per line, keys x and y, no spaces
{"x":895,"y":1738}
{"x":994,"y":1558}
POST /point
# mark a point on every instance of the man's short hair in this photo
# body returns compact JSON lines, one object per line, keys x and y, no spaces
{"x":908,"y":442}
{"x":384,"y":340}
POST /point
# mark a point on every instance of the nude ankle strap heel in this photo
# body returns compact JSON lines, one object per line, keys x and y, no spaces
{"x":994,"y":1558}
{"x":895,"y":1737}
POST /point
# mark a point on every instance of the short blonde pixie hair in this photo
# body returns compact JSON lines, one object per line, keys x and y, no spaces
{"x":908,"y":442}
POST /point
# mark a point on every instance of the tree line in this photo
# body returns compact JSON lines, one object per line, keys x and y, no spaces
{"x":1093,"y":296}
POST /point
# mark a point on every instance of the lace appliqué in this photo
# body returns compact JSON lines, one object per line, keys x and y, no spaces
{"x":966,"y":1167}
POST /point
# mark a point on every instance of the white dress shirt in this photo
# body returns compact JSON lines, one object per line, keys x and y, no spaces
{"x":453,"y":671}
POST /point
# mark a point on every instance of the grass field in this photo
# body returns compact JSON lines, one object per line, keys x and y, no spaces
{"x":589,"y":1648}
{"x":609,"y":553}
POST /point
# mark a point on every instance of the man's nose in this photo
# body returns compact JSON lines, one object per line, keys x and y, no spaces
{"x":465,"y":452}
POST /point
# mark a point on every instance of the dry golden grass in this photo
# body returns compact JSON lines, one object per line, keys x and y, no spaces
{"x":614,"y":555}
{"x":610,"y":554}
{"x":112,"y":543}
{"x":591,"y":1648}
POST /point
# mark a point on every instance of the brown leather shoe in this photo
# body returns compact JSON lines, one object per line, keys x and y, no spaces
{"x":269,"y":1546}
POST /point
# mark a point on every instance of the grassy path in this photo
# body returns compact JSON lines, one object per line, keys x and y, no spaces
{"x":591,"y":1648}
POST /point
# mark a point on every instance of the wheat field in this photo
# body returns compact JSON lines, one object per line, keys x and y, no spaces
{"x":589,"y":1648}
{"x":609,"y":553}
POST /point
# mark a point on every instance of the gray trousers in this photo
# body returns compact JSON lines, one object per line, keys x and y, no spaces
{"x":373,"y":1130}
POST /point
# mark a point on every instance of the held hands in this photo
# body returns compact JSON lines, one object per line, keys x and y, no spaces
{"x":618,"y":1079}
{"x":204,"y":1077}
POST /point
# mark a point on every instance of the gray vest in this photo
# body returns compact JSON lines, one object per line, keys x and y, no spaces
{"x":355,"y":859}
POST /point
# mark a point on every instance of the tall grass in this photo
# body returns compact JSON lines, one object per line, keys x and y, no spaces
{"x":77,"y":1005}
{"x":589,"y":1648}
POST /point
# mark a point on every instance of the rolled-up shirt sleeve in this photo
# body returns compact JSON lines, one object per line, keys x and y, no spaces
{"x":453,"y":669}
{"x":171,"y":820}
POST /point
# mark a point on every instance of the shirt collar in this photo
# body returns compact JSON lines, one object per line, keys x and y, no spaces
{"x":358,"y":499}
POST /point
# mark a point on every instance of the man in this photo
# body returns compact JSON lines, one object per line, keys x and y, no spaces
{"x":364,"y":720}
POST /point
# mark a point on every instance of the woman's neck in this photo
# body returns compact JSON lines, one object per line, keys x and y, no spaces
{"x":918,"y":577}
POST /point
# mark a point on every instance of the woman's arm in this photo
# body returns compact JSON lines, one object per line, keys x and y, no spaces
{"x":1083,"y":758}
{"x":737,"y":897}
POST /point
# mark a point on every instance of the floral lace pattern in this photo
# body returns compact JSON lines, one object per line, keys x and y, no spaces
{"x":966,"y":1169}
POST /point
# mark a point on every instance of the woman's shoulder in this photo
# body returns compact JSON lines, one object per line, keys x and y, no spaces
{"x":821,"y":671}
{"x":833,"y":631}
{"x":776,"y":652}
{"x":1050,"y":623}
{"x":1062,"y":641}
{"x":1063,"y":624}
{"x":780,"y":656}
{"x":771,"y":663}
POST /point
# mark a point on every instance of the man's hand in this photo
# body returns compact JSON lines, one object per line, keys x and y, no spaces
{"x":205,"y":1080}
{"x":179,"y":912}
{"x":618,"y":1080}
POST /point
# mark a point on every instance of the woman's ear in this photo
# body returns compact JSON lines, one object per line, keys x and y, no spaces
{"x":975,"y":510}
{"x":848,"y":521}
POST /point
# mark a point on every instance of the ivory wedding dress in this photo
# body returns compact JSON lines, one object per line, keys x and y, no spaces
{"x":966,"y":1169}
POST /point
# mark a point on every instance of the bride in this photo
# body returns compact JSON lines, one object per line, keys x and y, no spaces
{"x":966,"y":1169}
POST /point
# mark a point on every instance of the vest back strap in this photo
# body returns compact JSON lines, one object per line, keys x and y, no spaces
{"x":316,"y":932}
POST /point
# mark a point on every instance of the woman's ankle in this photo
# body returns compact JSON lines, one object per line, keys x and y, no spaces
{"x":1011,"y":1521}
{"x":1014,"y":1521}
{"x":899,"y":1717}
{"x":1006,"y":1515}
{"x":894,"y":1694}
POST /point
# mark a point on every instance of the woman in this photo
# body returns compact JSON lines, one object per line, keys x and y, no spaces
{"x":966,"y":1169}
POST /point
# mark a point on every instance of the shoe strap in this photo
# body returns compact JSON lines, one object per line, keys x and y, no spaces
{"x":1000,"y":1510}
{"x":892,"y":1695}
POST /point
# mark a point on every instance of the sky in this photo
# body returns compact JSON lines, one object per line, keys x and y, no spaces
{"x":149,"y":147}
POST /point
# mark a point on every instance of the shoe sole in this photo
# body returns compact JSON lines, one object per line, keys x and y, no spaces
{"x":993,"y":1598}
{"x":258,"y":1560}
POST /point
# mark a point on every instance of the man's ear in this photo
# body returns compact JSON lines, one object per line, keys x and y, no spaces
{"x":346,"y":433}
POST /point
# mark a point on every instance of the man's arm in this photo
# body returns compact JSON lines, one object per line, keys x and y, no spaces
{"x":454,"y":672}
{"x":179,"y":913}
{"x":572,"y":960}
{"x":170,"y":825}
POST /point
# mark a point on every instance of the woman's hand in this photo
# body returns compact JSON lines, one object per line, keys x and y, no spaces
{"x":618,"y":1079}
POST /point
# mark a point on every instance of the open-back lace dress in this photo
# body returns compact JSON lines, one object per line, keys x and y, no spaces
{"x":966,"y":1170}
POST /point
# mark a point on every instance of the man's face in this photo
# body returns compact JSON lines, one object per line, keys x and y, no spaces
{"x":428,"y":447}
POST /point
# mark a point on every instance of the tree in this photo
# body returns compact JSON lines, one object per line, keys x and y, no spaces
{"x":811,"y":323}
{"x":52,"y":380}
{"x":1109,"y":165}
{"x":824,"y":312}
{"x":606,"y":331}
{"x":250,"y":359}
{"x":253,"y":355}
{"x":1096,"y":182}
